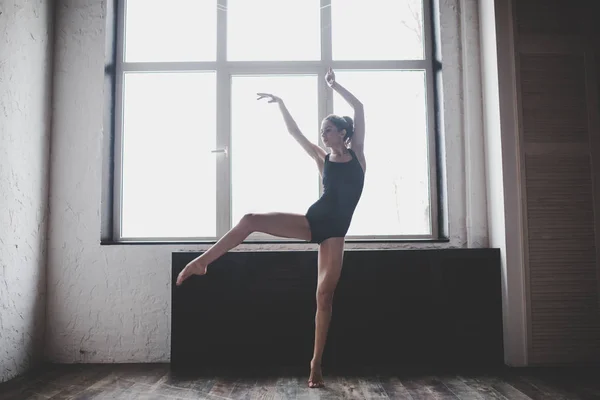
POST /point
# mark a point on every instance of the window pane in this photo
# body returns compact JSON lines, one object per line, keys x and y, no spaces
{"x":395,"y":199}
{"x":271,"y":30}
{"x":377,"y":29}
{"x":169,"y":174}
{"x":270,"y":171}
{"x":170,"y":30}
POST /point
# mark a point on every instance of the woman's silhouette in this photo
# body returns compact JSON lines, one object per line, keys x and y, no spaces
{"x":326,"y":222}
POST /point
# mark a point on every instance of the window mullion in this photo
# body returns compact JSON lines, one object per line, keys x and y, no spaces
{"x":325,"y":100}
{"x":431,"y":129}
{"x":326,"y":47}
{"x":223,"y":139}
{"x":118,"y":150}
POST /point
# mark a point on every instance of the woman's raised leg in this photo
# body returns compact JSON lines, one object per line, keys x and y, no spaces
{"x":331,"y":254}
{"x":277,"y":224}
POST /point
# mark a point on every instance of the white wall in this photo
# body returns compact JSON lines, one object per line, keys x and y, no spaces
{"x":475,"y":170}
{"x":112,"y":303}
{"x":25,"y":94}
{"x":502,"y":168}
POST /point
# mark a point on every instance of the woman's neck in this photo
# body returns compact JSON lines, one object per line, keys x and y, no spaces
{"x":339,"y":151}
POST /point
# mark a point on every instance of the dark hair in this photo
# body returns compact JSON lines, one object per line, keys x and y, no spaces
{"x":342,"y":123}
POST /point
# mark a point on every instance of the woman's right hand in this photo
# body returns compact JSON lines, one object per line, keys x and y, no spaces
{"x":272,"y":98}
{"x":330,"y":77}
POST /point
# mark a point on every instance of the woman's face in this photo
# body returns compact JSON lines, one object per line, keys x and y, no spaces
{"x":331,"y":135}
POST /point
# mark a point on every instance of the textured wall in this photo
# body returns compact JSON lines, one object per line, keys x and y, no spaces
{"x":112,"y":303}
{"x":25,"y":93}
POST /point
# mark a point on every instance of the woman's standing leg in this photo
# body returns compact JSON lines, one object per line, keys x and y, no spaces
{"x":277,"y":224}
{"x":331,"y":254}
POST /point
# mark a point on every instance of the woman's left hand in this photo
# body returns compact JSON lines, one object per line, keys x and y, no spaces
{"x":271,"y":98}
{"x":330,"y":77}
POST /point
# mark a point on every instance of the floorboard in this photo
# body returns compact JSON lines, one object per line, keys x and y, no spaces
{"x":155,"y":381}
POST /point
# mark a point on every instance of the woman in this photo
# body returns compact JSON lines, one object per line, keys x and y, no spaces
{"x":326,"y":221}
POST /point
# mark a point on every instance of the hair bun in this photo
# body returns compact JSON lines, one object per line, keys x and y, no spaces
{"x":350,"y":123}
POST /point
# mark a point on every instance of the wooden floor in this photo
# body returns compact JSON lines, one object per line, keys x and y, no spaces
{"x":154,"y":381}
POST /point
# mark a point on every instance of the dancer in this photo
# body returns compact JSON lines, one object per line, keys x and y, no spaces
{"x":326,"y":222}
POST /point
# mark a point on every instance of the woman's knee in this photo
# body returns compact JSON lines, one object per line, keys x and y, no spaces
{"x":249,"y":222}
{"x":325,"y":296}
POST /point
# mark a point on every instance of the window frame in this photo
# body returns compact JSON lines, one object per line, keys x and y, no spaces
{"x":225,"y":70}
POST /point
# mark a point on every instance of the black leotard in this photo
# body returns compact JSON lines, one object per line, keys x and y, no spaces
{"x":343,"y":183}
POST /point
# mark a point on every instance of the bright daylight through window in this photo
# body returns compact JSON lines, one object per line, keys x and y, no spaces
{"x":195,"y":150}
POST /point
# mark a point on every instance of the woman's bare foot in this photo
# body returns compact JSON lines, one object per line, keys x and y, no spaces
{"x":315,"y":380}
{"x":193,"y":268}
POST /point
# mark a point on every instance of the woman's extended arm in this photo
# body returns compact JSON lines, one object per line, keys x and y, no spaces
{"x":358,"y":140}
{"x":312,"y":149}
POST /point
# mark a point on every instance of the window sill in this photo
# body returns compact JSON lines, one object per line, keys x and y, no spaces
{"x":263,"y":242}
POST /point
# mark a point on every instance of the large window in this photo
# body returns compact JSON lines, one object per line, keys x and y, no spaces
{"x":195,"y":150}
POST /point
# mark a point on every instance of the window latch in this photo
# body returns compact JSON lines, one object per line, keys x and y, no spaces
{"x":223,"y":150}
